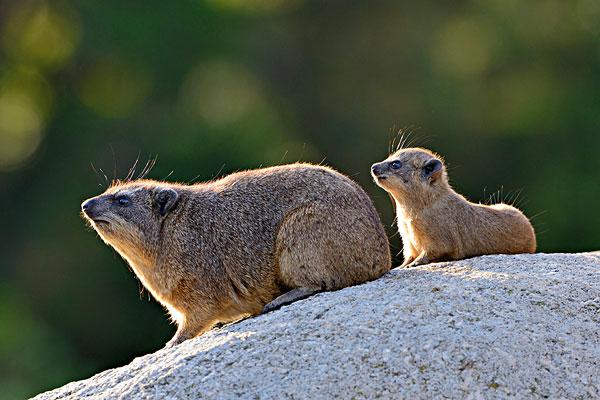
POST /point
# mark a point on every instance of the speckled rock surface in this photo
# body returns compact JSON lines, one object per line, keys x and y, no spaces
{"x":525,"y":326}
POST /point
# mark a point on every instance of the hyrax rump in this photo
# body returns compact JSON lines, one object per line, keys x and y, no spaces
{"x":436,"y":223}
{"x":244,"y":244}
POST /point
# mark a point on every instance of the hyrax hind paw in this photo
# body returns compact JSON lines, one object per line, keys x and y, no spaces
{"x":288,"y":298}
{"x":422,"y":259}
{"x":187,"y":331}
{"x":173,"y":342}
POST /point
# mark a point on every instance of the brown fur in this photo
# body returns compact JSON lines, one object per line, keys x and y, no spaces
{"x":221,"y":250}
{"x":436,"y":223}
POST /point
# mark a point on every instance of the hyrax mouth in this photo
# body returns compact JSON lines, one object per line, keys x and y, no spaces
{"x":378,"y":171}
{"x":90,"y":211}
{"x":93,"y":217}
{"x":379,"y":175}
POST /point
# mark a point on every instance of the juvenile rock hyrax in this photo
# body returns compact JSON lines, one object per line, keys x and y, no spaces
{"x":438,"y":224}
{"x":244,"y":244}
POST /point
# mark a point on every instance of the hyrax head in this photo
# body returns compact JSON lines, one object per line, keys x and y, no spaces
{"x":410,"y":172}
{"x":128,"y":216}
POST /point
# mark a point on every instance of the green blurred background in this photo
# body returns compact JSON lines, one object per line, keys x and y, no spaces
{"x":507,"y":91}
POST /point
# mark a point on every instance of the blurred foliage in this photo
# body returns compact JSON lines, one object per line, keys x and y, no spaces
{"x":507,"y":91}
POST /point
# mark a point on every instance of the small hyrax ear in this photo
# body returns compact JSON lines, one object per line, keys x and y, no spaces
{"x":432,"y":167}
{"x":166,"y":199}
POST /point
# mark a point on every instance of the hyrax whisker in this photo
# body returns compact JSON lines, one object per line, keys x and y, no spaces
{"x":97,"y":173}
{"x":170,"y":173}
{"x":131,"y":172}
{"x":301,"y":152}
{"x":105,"y":177}
{"x":112,"y":150}
{"x":283,"y":157}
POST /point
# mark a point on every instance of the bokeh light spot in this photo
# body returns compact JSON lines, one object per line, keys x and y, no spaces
{"x":25,"y":102}
{"x":113,"y":88}
{"x":254,"y":6}
{"x":524,"y":100}
{"x":42,"y":34}
{"x":20,"y":126}
{"x":588,"y":15}
{"x":462,"y":48}
{"x":220,"y":92}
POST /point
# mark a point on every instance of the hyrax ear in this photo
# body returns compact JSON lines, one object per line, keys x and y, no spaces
{"x":165,"y":199}
{"x":432,"y":168}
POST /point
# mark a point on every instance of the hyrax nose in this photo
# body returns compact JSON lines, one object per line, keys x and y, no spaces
{"x":86,"y":205}
{"x":376,"y":168}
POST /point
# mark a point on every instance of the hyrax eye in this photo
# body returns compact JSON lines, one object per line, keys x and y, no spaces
{"x":123,"y":201}
{"x":396,"y":164}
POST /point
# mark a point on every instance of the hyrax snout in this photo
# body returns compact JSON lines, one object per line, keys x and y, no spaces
{"x":436,"y":223}
{"x":244,"y":244}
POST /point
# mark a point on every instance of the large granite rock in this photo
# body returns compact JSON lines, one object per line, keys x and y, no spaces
{"x":525,"y":326}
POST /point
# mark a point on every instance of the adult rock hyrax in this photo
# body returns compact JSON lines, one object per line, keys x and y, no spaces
{"x":244,"y":244}
{"x":438,"y":224}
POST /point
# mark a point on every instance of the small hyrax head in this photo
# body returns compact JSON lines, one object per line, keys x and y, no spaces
{"x":128,"y":216}
{"x":410,"y":172}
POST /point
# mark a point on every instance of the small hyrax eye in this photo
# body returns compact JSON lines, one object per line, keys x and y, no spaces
{"x":396,"y":164}
{"x":428,"y":169}
{"x":123,"y":201}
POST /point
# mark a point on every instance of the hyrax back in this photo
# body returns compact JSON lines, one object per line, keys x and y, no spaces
{"x":256,"y":239}
{"x":436,"y":223}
